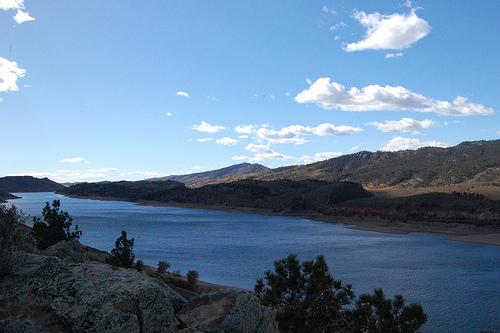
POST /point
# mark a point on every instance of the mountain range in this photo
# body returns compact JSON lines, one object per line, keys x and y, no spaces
{"x":206,"y":177}
{"x":14,"y":184}
{"x":469,"y":166}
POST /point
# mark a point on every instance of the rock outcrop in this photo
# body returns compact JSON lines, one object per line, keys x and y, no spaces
{"x":61,"y":290}
{"x":228,"y":311}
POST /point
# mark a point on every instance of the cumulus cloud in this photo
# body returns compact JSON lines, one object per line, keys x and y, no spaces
{"x":227,"y":141}
{"x":306,"y":159}
{"x":332,"y":95}
{"x":9,"y":73}
{"x":401,"y":143}
{"x":403,"y":125}
{"x":261,"y":153}
{"x":11,"y":4}
{"x":245,"y":129}
{"x":73,"y":160}
{"x":18,"y":5}
{"x":168,"y":114}
{"x":182,"y":94}
{"x":207,"y":128}
{"x":389,"y":32}
{"x":295,"y":134}
{"x":258,"y":148}
{"x":22,"y":17}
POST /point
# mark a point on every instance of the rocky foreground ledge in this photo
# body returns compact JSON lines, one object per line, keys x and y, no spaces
{"x":69,"y":288}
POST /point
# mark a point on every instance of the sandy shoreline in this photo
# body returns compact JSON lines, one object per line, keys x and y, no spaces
{"x":453,"y":231}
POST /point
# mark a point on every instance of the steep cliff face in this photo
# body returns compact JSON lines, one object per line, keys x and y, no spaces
{"x":62,"y":290}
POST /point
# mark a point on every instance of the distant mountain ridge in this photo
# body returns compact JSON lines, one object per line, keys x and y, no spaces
{"x":14,"y":184}
{"x":477,"y":161}
{"x":201,"y":178}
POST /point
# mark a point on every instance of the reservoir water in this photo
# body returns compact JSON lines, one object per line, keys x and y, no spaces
{"x":458,"y":284}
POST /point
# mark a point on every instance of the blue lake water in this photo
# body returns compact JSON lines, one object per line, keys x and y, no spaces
{"x":458,"y":284}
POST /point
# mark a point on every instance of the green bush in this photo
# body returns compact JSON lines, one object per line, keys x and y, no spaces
{"x":55,"y":226}
{"x":163,"y":266}
{"x":192,"y":279}
{"x":10,"y":220}
{"x":308,"y":299}
{"x":123,"y":253}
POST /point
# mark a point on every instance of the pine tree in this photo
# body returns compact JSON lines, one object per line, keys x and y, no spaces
{"x":123,"y":253}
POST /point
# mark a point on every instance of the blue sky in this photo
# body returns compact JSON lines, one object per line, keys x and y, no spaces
{"x":117,"y":89}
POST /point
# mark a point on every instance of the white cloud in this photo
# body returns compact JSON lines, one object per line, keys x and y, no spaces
{"x":168,"y":114}
{"x":204,"y":139}
{"x":11,"y":4}
{"x":306,"y":159}
{"x":389,"y":32}
{"x":295,"y":133}
{"x":333,"y":95}
{"x":403,"y":125}
{"x":272,"y":97}
{"x":207,"y":128}
{"x":400,"y":143}
{"x":198,"y":168}
{"x":259,"y":157}
{"x":258,"y":148}
{"x":393,"y":55}
{"x":74,"y":160}
{"x":9,"y":73}
{"x":182,"y":94}
{"x":227,"y":141}
{"x":354,"y":148}
{"x":22,"y":17}
{"x":261,"y":153}
{"x":245,"y":129}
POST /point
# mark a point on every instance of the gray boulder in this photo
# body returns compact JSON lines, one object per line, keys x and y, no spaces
{"x":91,"y":296}
{"x":69,"y":251}
{"x":228,"y":311}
